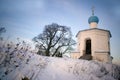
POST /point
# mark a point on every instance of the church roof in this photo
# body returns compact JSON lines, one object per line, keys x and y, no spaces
{"x":94,"y":29}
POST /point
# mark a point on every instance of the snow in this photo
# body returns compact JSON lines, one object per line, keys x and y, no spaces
{"x":18,"y":64}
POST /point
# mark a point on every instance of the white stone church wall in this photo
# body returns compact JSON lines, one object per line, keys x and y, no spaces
{"x":99,"y":42}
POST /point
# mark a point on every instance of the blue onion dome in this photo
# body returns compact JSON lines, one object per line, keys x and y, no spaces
{"x":93,"y":19}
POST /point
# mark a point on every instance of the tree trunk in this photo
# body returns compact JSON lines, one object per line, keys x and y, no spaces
{"x":47,"y":52}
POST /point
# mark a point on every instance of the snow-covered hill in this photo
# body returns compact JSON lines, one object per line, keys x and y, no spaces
{"x":21,"y":64}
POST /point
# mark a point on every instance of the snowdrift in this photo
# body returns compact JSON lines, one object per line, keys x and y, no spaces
{"x":21,"y":64}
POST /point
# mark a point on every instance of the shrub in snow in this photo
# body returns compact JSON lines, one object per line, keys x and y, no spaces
{"x":22,"y":64}
{"x":25,"y":78}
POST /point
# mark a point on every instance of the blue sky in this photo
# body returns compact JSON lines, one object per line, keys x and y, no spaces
{"x":27,"y":18}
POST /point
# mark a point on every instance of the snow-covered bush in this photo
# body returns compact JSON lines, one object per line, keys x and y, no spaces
{"x":18,"y":62}
{"x":12,"y":56}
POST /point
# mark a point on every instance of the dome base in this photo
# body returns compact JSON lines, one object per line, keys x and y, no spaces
{"x":93,"y":25}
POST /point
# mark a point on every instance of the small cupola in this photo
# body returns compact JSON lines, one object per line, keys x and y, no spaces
{"x":93,"y":20}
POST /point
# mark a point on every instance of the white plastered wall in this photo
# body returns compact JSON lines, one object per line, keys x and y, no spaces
{"x":99,"y":43}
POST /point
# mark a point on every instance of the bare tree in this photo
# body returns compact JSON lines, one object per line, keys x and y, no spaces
{"x":54,"y":40}
{"x":2,"y":30}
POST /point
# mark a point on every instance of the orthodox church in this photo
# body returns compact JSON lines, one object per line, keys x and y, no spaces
{"x":93,"y":43}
